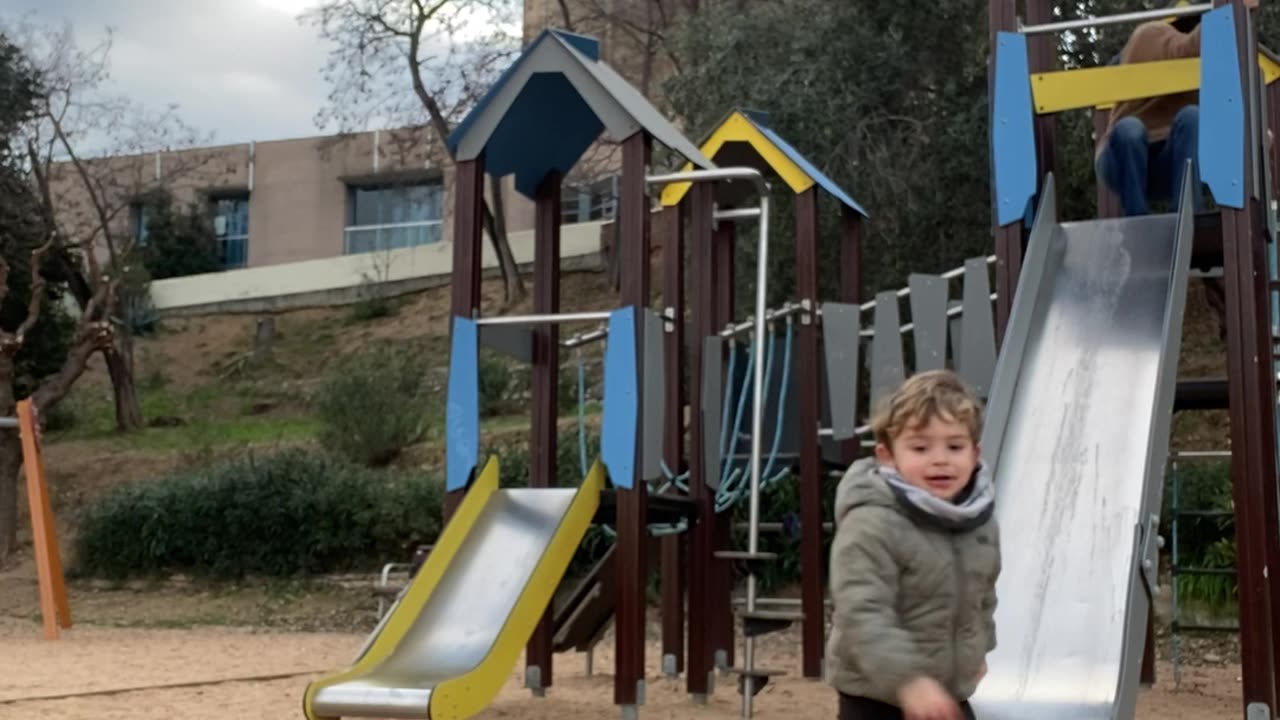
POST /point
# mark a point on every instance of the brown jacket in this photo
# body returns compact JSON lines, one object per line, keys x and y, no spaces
{"x":1152,"y":42}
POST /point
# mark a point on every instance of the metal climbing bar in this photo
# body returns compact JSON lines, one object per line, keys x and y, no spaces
{"x":1118,"y":19}
{"x":558,"y":318}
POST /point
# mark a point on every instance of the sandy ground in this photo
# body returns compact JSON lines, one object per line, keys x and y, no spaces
{"x":110,"y":674}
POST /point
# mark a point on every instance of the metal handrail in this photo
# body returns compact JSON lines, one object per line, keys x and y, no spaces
{"x":1118,"y":19}
{"x":948,"y":275}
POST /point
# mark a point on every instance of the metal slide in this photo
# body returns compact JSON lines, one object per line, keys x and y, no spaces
{"x":452,"y":639}
{"x":1077,"y":427}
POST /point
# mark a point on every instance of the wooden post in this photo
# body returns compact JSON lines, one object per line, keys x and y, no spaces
{"x":1252,"y":399}
{"x":721,"y":600}
{"x":851,"y":289}
{"x":1002,"y":17}
{"x":702,"y":538}
{"x":807,"y":374}
{"x":545,"y":380}
{"x":55,"y":611}
{"x":467,"y":223}
{"x":1041,"y":57}
{"x":632,"y":542}
{"x":673,"y":440}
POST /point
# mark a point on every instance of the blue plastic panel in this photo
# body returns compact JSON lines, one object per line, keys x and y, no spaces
{"x":1221,"y":109}
{"x":462,"y":419}
{"x":1013,"y":141}
{"x":621,"y":399}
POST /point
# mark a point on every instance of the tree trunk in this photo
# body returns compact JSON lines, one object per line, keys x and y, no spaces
{"x":10,"y":462}
{"x":128,"y":411}
{"x":495,"y":220}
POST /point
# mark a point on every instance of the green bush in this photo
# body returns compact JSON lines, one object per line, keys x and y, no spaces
{"x":289,"y":512}
{"x":495,"y":383}
{"x":1203,"y":541}
{"x":374,"y":403}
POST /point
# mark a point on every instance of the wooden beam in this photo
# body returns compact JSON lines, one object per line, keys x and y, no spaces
{"x":702,"y":537}
{"x":632,"y":562}
{"x":724,"y":241}
{"x":468,"y":193}
{"x":1252,"y":409}
{"x":673,"y":440}
{"x":808,"y":389}
{"x":851,"y":290}
{"x":546,"y":380}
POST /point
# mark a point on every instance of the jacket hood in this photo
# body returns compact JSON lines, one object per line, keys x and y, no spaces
{"x":868,"y":483}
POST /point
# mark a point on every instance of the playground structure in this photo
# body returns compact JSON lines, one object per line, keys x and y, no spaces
{"x":1236,"y":87}
{"x":1087,"y":319}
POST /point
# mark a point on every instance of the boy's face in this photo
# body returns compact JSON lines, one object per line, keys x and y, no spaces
{"x":938,"y":456}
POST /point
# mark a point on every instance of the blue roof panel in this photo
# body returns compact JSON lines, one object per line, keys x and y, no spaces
{"x":547,"y":129}
{"x":805,"y":166}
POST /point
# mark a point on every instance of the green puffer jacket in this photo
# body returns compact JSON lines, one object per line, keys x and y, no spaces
{"x":913,"y":594}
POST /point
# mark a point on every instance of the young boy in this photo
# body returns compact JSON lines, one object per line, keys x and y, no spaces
{"x":915,"y":560}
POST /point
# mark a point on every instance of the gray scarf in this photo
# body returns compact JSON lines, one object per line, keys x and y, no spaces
{"x":971,"y":508}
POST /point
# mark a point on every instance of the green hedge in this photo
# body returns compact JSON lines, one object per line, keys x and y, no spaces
{"x":288,"y":512}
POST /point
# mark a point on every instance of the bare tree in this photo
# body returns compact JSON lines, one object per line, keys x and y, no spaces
{"x":87,"y":200}
{"x":452,"y":51}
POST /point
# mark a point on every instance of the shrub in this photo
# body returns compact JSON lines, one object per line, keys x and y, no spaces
{"x":495,"y":383}
{"x":293,"y":511}
{"x":373,"y":404}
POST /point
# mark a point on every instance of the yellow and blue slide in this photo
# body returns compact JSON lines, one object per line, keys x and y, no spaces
{"x":450,"y":643}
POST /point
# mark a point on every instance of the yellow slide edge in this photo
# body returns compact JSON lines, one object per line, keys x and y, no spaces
{"x":467,"y":695}
{"x":411,"y":604}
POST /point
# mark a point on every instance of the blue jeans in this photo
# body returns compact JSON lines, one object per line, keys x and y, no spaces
{"x":1139,"y":171}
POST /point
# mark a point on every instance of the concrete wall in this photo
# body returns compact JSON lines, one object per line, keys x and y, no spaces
{"x":339,"y":280}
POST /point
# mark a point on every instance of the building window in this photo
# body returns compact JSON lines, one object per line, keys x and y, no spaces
{"x":231,"y":226}
{"x":139,"y":218}
{"x":594,"y":201}
{"x":393,"y":216}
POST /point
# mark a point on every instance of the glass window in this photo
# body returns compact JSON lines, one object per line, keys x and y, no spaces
{"x":595,"y":201}
{"x":231,"y":225}
{"x":394,"y":216}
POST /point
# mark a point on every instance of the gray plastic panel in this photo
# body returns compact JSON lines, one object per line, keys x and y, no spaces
{"x":841,"y":342}
{"x":929,"y":321}
{"x":653,"y":396}
{"x":955,"y":324}
{"x":712,"y":361}
{"x":1082,"y":405}
{"x":510,"y":340}
{"x":978,"y":345}
{"x":887,"y":369}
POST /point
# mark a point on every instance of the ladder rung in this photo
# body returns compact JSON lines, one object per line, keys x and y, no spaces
{"x":1202,"y":571}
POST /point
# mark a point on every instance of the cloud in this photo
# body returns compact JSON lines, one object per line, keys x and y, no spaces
{"x":241,"y":69}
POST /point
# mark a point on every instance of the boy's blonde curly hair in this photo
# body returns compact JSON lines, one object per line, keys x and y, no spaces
{"x":933,"y":394}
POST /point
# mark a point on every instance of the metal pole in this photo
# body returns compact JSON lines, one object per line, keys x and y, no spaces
{"x":737,"y":214}
{"x":742,"y":328}
{"x":713,"y":175}
{"x":1120,"y":19}
{"x":8,"y":422}
{"x":1173,"y":575}
{"x":951,"y":274}
{"x":757,"y":427}
{"x":586,"y":338}
{"x":559,"y":318}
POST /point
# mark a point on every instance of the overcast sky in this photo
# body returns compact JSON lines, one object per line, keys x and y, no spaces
{"x":241,"y":69}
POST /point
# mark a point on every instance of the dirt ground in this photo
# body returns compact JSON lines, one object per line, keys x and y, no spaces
{"x":120,"y":674}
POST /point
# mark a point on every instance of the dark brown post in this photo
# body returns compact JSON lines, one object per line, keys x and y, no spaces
{"x":1042,"y":54}
{"x":721,"y":600}
{"x":702,"y":538}
{"x":1272,"y":155}
{"x":632,"y":543}
{"x":545,"y":377}
{"x":673,"y":440}
{"x":1252,"y":395}
{"x":465,"y":301}
{"x":851,"y":287}
{"x":807,"y":387}
{"x":1002,"y":16}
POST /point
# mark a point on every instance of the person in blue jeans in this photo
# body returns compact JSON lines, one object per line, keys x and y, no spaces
{"x":1148,"y":141}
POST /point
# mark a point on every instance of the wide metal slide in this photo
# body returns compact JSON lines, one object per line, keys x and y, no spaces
{"x":1077,"y":429}
{"x":456,"y":633}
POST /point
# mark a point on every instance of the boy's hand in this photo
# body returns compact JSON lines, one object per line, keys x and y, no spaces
{"x":924,"y":699}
